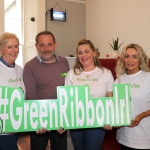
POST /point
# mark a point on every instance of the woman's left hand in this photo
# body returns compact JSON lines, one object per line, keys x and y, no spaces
{"x":107,"y":127}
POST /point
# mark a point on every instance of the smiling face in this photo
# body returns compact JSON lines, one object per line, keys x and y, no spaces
{"x":132,"y":61}
{"x":46,"y":48}
{"x":10,"y":51}
{"x":85,"y":55}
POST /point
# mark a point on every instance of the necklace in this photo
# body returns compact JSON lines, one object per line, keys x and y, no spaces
{"x":89,"y":73}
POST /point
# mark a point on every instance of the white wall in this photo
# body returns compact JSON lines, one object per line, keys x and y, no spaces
{"x":36,"y":9}
{"x":129,"y":20}
{"x":68,"y":33}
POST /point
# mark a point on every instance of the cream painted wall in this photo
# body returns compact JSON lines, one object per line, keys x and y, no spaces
{"x":67,"y":33}
{"x":1,"y":16}
{"x":129,"y":20}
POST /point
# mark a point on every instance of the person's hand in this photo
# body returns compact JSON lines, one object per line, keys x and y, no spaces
{"x":107,"y":127}
{"x":139,"y":117}
{"x":117,"y":127}
{"x":39,"y":131}
{"x":61,"y":130}
{"x":136,"y":121}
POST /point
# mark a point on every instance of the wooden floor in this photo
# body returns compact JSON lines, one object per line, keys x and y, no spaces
{"x":24,"y":142}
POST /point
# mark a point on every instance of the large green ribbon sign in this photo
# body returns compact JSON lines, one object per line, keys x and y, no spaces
{"x":74,"y":108}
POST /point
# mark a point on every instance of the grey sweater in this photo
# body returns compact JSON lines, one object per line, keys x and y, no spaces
{"x":41,"y":79}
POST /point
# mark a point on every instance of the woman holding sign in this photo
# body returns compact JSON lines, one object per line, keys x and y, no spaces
{"x":132,"y":68}
{"x":10,"y":75}
{"x":88,"y":71}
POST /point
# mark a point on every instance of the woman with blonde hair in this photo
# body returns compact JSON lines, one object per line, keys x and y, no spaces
{"x":132,"y":68}
{"x":88,"y":71}
{"x":9,"y":71}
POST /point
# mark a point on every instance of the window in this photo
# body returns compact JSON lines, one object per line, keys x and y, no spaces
{"x":13,"y":22}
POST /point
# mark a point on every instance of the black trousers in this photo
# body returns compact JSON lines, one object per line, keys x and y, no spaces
{"x":129,"y":148}
{"x":57,"y":141}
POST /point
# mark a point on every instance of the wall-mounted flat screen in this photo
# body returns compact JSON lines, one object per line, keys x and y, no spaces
{"x":58,"y":15}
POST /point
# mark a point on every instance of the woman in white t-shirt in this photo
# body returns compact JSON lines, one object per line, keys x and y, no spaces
{"x":10,"y":75}
{"x":132,"y":68}
{"x":88,"y":71}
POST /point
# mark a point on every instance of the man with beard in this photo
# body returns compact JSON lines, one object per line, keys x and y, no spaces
{"x":41,"y":77}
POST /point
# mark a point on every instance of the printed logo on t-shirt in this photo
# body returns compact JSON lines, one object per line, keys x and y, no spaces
{"x":14,"y":80}
{"x":87,"y":79}
{"x":135,"y":85}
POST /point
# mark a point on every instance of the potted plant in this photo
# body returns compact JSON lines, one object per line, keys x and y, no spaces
{"x":115,"y":46}
{"x":98,"y":53}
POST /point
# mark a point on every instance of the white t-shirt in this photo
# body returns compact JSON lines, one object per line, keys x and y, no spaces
{"x":99,"y":80}
{"x":11,"y":77}
{"x":139,"y":136}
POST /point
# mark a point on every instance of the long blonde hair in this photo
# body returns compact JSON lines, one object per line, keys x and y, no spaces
{"x":120,"y":68}
{"x":78,"y":66}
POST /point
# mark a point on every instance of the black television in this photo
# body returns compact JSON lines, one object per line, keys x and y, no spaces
{"x":57,"y":15}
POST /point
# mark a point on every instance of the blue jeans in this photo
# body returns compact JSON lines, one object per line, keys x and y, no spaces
{"x":9,"y":142}
{"x":87,"y":139}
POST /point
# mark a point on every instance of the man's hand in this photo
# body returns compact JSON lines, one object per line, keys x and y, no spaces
{"x":41,"y":131}
{"x":61,"y":130}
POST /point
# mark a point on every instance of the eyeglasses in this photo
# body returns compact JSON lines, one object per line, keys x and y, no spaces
{"x":1,"y":125}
